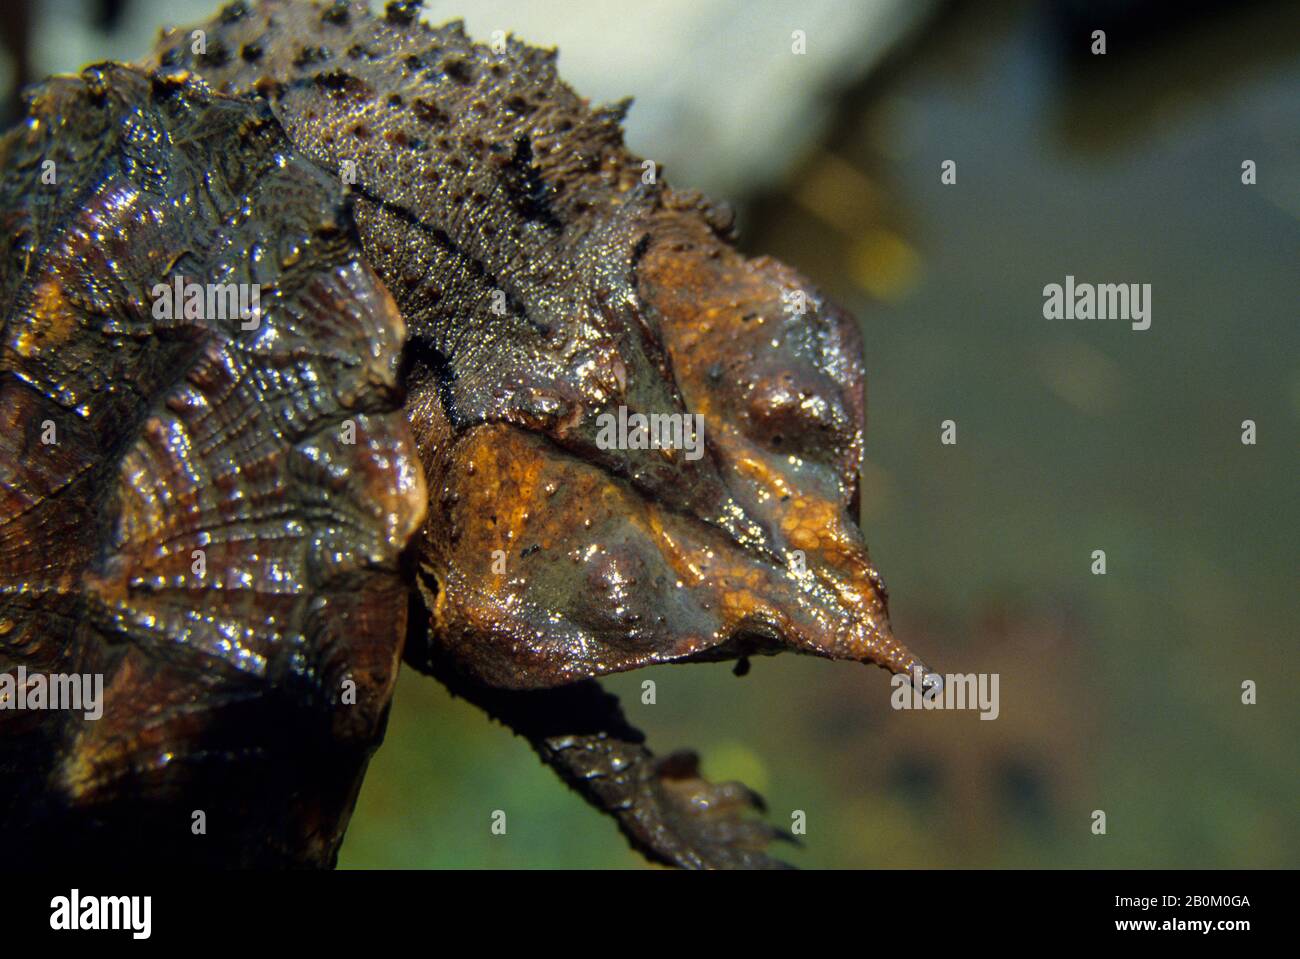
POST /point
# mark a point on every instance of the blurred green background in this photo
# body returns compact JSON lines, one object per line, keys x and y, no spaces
{"x":1119,"y":692}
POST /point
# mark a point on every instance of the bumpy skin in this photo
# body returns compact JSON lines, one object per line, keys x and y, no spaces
{"x":545,"y":280}
{"x":480,"y":172}
{"x":252,"y":685}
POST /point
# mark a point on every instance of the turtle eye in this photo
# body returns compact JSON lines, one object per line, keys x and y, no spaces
{"x":794,"y":416}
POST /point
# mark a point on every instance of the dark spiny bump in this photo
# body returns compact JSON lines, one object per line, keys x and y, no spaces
{"x":458,"y":69}
{"x":215,"y":56}
{"x":517,"y":104}
{"x":173,"y":57}
{"x":525,"y":184}
{"x":335,"y":80}
{"x":309,"y":55}
{"x":638,"y":251}
{"x":426,"y":110}
{"x":615,"y":113}
{"x":96,"y":87}
{"x":402,"y":12}
{"x":267,"y":87}
{"x":234,"y":12}
{"x":336,"y":13}
{"x":165,"y":86}
{"x":340,"y":81}
{"x":251,"y":52}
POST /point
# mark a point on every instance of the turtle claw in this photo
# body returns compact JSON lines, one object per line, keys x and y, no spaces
{"x":684,"y":820}
{"x":665,"y":808}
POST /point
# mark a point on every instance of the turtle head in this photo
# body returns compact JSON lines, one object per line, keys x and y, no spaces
{"x":708,"y":515}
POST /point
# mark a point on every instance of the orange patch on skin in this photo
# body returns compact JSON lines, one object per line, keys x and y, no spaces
{"x":764,"y":475}
{"x":679,"y":558}
{"x":811,"y":524}
{"x":504,"y":487}
{"x":52,"y":321}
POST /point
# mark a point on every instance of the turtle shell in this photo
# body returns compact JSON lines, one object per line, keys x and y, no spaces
{"x":205,"y":480}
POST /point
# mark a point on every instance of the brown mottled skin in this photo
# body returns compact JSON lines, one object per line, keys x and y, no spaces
{"x":544,"y":281}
